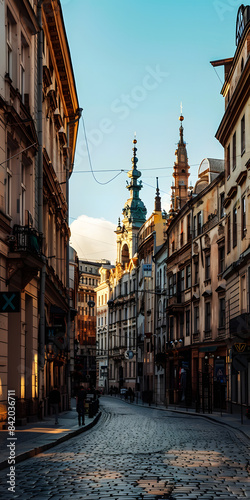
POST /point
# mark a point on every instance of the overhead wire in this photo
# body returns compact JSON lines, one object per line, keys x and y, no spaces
{"x":90,"y":162}
{"x":17,"y":154}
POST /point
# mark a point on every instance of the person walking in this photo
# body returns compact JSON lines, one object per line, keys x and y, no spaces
{"x":80,"y":405}
{"x":54,"y":401}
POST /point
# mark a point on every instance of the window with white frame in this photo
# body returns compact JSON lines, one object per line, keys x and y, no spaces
{"x":243,"y":135}
{"x":234,"y":226}
{"x":9,"y":49}
{"x":182,"y":279}
{"x":170,"y":286}
{"x":174,"y":284}
{"x":221,"y":254}
{"x":243,"y":294}
{"x":11,"y":61}
{"x":188,"y":276}
{"x":188,"y":323}
{"x":234,"y":151}
{"x":207,"y":316}
{"x":22,"y":196}
{"x":196,"y":271}
{"x":222,"y":319}
{"x":24,"y":70}
{"x":207,"y":266}
{"x":195,"y":226}
{"x":196,"y":319}
{"x":228,"y":161}
{"x":222,"y":209}
{"x":229,"y":233}
{"x":243,"y":217}
{"x":199,"y":222}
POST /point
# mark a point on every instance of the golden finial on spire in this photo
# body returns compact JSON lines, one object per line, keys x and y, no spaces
{"x":181,"y":117}
{"x":135,"y":140}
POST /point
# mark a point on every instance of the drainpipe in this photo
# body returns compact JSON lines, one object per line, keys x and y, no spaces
{"x":71,"y":122}
{"x":155,"y":377}
{"x":41,"y":393}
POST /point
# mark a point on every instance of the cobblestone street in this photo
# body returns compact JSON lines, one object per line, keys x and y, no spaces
{"x":139,"y":453}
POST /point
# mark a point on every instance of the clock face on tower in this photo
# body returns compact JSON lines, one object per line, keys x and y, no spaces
{"x":240,"y":24}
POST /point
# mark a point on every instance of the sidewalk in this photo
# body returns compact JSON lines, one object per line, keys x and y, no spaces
{"x":228,"y":419}
{"x":36,"y":437}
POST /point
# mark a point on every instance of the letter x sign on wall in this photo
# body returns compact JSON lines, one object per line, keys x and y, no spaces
{"x":9,"y":302}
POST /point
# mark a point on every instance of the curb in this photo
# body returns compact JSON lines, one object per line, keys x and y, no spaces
{"x":40,"y":449}
{"x":208,"y":417}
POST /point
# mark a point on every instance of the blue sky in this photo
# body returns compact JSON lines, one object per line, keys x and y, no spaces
{"x":134,"y":63}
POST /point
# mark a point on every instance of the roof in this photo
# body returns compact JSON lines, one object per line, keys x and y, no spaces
{"x":208,"y":170}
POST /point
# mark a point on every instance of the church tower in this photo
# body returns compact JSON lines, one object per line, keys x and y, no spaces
{"x":181,"y":173}
{"x":134,"y":215}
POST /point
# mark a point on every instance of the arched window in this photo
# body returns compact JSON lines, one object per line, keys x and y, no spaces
{"x":125,"y":255}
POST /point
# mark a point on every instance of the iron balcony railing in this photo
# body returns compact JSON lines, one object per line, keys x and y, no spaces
{"x":26,"y":239}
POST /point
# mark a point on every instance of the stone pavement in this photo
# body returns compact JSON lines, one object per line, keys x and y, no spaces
{"x":139,"y":453}
{"x":36,"y":437}
{"x":235,"y":421}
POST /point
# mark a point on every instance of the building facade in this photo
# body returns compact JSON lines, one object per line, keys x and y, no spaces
{"x":85,"y":360}
{"x":38,"y":103}
{"x":103,"y":294}
{"x":177,"y":302}
{"x":151,"y":237}
{"x":234,"y":135}
{"x":21,"y":243}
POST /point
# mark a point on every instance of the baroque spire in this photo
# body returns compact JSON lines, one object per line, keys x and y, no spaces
{"x":134,"y":211}
{"x":181,"y":172}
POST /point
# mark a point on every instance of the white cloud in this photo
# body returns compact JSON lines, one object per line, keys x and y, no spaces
{"x":166,"y":201}
{"x":93,"y":239}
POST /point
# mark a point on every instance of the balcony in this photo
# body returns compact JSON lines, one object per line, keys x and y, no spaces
{"x":27,"y":239}
{"x":175,"y":305}
{"x":25,"y":255}
{"x":116,"y":354}
{"x":212,"y":220}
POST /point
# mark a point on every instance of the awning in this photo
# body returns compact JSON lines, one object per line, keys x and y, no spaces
{"x":211,"y":348}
